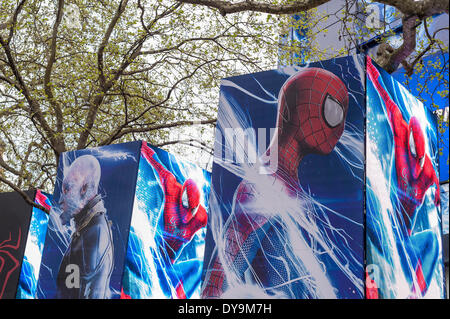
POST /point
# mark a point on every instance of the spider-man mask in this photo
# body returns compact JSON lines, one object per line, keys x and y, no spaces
{"x":313,"y":105}
{"x":416,"y":147}
{"x":190,"y":200}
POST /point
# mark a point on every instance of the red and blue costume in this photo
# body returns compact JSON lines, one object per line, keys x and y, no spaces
{"x":312,"y":107}
{"x":183,"y":213}
{"x":415,"y":175}
{"x":42,"y":200}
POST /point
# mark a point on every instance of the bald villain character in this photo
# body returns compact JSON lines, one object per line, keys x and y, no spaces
{"x":90,"y":253}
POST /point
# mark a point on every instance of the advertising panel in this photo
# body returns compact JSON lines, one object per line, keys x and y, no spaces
{"x":286,"y":217}
{"x":22,"y":229}
{"x":33,"y":251}
{"x":87,"y":235}
{"x":168,"y":228}
{"x":14,"y":222}
{"x":404,"y":246}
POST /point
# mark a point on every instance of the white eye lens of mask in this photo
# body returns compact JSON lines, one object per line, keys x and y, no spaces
{"x":333,"y":112}
{"x":422,"y":161}
{"x":412,"y":145}
{"x":184,"y":199}
{"x":194,"y":211}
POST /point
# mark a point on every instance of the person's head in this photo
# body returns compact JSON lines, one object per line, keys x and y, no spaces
{"x":416,"y":147}
{"x":190,"y":200}
{"x":80,"y":184}
{"x":313,"y":105}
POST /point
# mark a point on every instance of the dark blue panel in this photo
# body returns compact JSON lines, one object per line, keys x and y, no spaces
{"x":88,"y":235}
{"x":295,"y":231}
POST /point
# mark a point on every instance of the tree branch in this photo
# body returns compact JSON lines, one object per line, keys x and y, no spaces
{"x":20,"y":85}
{"x":190,"y":142}
{"x":98,"y":99}
{"x":389,"y":58}
{"x":60,"y":146}
{"x":227,"y":7}
{"x":420,"y":8}
{"x":105,"y":41}
{"x":149,"y":128}
{"x":24,"y":195}
{"x":11,"y":23}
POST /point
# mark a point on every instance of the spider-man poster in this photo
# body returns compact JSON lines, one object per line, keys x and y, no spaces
{"x":87,"y":234}
{"x":168,"y":228}
{"x":17,"y":230}
{"x":404,"y":246}
{"x":286,"y":204}
{"x":31,"y":264}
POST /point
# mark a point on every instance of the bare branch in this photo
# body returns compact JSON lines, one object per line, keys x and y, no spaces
{"x":190,"y":142}
{"x":149,"y":128}
{"x":227,"y":7}
{"x":11,"y":23}
{"x":389,"y":58}
{"x":98,"y":99}
{"x":409,"y":67}
{"x":8,"y":167}
{"x":420,"y":8}
{"x":104,"y":43}
{"x":24,"y":195}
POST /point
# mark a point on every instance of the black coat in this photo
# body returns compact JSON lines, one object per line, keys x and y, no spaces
{"x":91,"y":252}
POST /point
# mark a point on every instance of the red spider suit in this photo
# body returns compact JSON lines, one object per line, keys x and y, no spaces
{"x":183,"y":213}
{"x":312,"y":107}
{"x":415,"y":175}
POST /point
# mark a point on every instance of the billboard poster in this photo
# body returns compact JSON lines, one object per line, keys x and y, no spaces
{"x":444,"y":207}
{"x":87,"y":234}
{"x":168,"y":228}
{"x":286,"y":205}
{"x":29,"y":273}
{"x":444,"y":210}
{"x":434,"y":99}
{"x":404,"y":247}
{"x":15,"y":216}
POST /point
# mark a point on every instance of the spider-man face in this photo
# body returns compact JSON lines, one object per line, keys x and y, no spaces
{"x":416,"y":147}
{"x":313,"y":105}
{"x":190,"y":200}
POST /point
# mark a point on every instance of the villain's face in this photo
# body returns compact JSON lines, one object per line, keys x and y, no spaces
{"x":313,"y":105}
{"x":80,"y":184}
{"x":416,"y":147}
{"x":71,"y":194}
